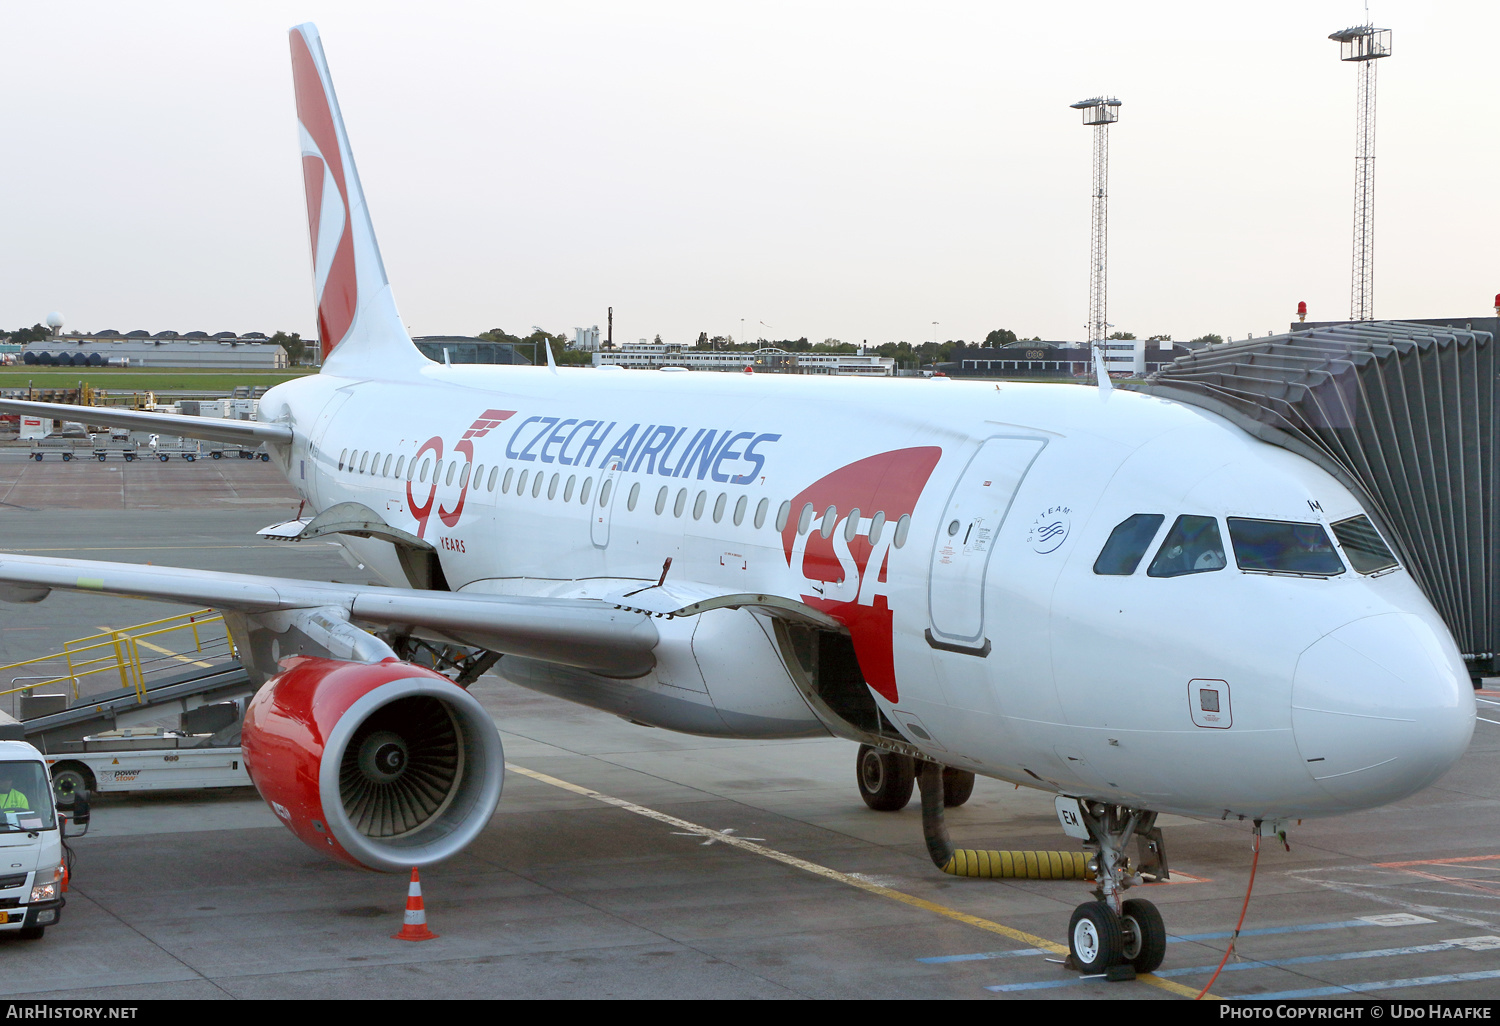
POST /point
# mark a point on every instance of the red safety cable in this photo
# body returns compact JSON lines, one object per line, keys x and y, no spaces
{"x":1255,"y":860}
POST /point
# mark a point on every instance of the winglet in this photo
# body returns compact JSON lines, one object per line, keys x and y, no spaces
{"x":358,"y":326}
{"x":1101,"y":370}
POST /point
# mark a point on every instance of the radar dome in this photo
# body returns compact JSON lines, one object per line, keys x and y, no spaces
{"x":54,"y":320}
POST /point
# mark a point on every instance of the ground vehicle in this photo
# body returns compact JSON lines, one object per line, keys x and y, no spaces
{"x":31,"y":842}
{"x":136,"y":760}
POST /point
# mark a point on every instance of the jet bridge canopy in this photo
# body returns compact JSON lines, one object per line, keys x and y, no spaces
{"x":1402,"y":413}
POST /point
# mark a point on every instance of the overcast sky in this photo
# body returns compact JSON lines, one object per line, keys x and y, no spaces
{"x":847,"y":170}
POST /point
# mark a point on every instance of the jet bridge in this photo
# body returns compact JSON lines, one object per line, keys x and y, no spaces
{"x":1403,"y":414}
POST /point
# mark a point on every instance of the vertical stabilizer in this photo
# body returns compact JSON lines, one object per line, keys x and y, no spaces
{"x":359,"y":330}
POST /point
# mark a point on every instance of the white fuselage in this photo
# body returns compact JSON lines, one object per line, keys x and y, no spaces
{"x":987,"y":638}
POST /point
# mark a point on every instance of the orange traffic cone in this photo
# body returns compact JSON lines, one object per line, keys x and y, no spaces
{"x":415,"y":926}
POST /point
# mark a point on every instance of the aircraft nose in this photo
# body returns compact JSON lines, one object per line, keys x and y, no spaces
{"x":1381,"y":707}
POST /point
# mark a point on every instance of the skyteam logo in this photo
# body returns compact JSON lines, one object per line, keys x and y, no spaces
{"x":1049,"y":530}
{"x":838,"y":541}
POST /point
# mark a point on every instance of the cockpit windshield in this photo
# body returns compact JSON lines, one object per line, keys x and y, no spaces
{"x":1127,"y":544}
{"x":25,"y":798}
{"x":1285,"y":547}
{"x":1193,"y":546}
{"x":1363,"y":546}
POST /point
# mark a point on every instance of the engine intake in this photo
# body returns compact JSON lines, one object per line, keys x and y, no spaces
{"x":381,"y":765}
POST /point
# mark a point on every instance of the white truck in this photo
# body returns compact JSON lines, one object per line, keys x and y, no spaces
{"x":33,"y":873}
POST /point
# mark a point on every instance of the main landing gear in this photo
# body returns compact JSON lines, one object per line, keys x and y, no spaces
{"x":886,"y":780}
{"x":1113,"y":935}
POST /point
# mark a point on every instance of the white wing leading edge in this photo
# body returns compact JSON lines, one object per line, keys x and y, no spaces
{"x":212,"y":429}
{"x":583,"y":633}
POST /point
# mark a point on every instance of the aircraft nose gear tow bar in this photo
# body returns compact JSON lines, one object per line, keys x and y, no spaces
{"x":1111,"y":936}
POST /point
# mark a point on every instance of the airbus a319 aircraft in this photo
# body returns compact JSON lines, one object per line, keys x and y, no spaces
{"x":1124,"y":601}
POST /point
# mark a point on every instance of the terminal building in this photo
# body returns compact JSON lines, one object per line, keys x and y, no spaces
{"x":1037,"y":359}
{"x":770,"y":360}
{"x":226,"y":350}
{"x":467,"y":349}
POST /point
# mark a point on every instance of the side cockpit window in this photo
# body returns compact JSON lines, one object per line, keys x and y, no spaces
{"x":1364,"y":547}
{"x":1127,"y":543}
{"x":1284,"y":547}
{"x":1193,"y":546}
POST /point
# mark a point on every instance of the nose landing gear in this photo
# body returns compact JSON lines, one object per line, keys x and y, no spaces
{"x":1114,"y":935}
{"x":1110,"y":936}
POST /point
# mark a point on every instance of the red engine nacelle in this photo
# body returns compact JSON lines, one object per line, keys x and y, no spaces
{"x":382,"y":765}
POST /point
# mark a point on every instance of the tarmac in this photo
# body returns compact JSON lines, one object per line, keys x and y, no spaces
{"x":631,"y":862}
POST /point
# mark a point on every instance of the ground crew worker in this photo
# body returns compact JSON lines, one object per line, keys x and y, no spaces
{"x":10,"y":798}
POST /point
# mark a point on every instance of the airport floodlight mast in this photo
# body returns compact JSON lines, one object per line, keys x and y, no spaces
{"x":1100,"y":112}
{"x":1363,"y":44}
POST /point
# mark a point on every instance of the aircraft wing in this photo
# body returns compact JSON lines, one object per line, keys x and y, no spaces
{"x":585,"y":633}
{"x":213,"y":429}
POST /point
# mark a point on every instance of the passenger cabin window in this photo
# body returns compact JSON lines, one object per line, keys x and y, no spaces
{"x":1127,"y":543}
{"x":1363,"y":546}
{"x":568,"y":488}
{"x":342,"y":456}
{"x":635,"y":494}
{"x":1193,"y":546}
{"x":903,"y":528}
{"x":400,"y":463}
{"x":494,"y":473}
{"x":1283,"y":547}
{"x":760,"y":513}
{"x":661,"y":500}
{"x":505,"y":482}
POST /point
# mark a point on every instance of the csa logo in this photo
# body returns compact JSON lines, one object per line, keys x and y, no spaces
{"x":842,"y":558}
{"x":1049,"y":530}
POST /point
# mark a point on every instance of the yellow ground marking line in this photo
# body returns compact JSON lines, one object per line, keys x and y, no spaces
{"x":164,"y":651}
{"x":1021,"y":936}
